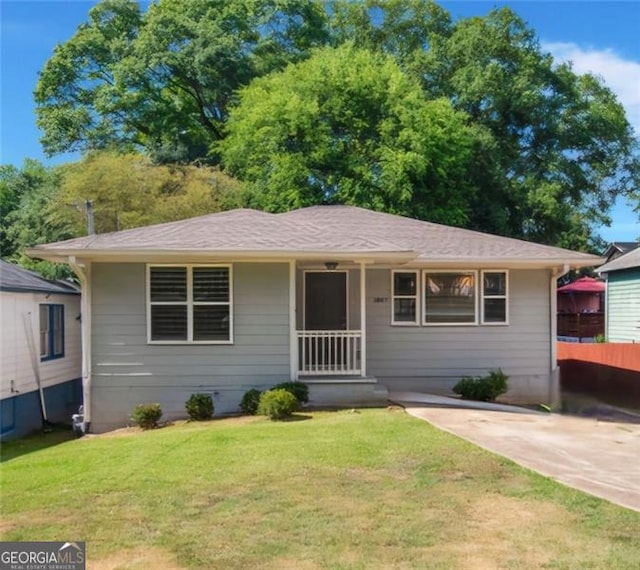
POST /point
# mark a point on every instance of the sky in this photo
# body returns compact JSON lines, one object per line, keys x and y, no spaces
{"x":600,"y":37}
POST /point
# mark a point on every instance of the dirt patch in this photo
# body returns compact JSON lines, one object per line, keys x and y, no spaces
{"x":499,"y":530}
{"x":140,"y":558}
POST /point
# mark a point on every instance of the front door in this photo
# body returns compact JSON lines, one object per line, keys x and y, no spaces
{"x":325,"y":307}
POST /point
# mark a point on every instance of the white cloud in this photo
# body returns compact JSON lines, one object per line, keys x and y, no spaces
{"x":622,"y":76}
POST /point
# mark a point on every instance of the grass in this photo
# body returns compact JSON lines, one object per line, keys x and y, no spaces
{"x":371,"y":489}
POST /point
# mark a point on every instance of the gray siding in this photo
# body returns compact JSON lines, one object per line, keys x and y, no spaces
{"x":434,"y":358}
{"x":128,"y":371}
{"x":623,"y":306}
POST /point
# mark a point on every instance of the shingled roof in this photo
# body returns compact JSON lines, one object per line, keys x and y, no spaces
{"x":323,"y":230}
{"x":17,"y":279}
{"x":626,"y":261}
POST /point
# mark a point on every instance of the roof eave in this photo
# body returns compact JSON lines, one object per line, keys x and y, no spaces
{"x":63,"y":255}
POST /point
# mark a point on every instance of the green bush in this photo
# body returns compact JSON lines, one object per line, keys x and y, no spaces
{"x":277,"y":404}
{"x":483,"y":388}
{"x":146,"y":415}
{"x":250,"y":402}
{"x":200,"y":407}
{"x":299,"y":390}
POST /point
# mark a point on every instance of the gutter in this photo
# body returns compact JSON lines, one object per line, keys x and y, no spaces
{"x":554,"y":375}
{"x":83,"y":271}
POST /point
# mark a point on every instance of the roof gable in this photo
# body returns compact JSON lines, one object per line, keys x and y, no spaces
{"x":626,"y":261}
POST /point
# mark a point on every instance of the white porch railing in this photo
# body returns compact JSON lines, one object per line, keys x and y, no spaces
{"x":323,"y":353}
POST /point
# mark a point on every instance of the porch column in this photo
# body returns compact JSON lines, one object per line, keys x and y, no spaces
{"x":293,"y":332}
{"x":363,"y":320}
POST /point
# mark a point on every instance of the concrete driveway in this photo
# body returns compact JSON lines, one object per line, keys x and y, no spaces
{"x":599,"y":457}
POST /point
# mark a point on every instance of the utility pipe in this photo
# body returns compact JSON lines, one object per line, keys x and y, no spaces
{"x":83,"y":271}
{"x":554,"y":377}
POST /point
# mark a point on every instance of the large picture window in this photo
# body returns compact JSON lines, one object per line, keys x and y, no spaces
{"x":189,"y":303}
{"x":51,"y":331}
{"x":405,"y":297}
{"x":495,"y":310}
{"x":449,"y":298}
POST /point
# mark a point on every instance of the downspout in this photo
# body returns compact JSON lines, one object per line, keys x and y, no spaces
{"x":293,"y":333}
{"x":554,"y":373}
{"x":83,"y":271}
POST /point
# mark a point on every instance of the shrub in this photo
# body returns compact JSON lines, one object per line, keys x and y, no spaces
{"x":250,"y":402}
{"x":277,"y":404}
{"x":200,"y":407}
{"x":146,"y":415}
{"x":483,"y":388}
{"x":299,"y":390}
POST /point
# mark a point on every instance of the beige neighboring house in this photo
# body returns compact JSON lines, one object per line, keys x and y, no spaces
{"x":350,"y":301}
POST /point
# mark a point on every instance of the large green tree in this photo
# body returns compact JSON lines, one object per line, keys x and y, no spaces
{"x":557,"y":147}
{"x":348,"y":126}
{"x":161,"y":81}
{"x":564,"y":149}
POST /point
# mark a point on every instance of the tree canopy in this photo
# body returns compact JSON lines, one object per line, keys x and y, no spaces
{"x":45,"y":204}
{"x":348,"y":126}
{"x":161,"y":81}
{"x":549,"y":149}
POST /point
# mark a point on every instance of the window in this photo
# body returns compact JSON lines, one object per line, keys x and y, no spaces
{"x":494,"y":298}
{"x":189,"y":303}
{"x":449,"y":297}
{"x":405,"y":297}
{"x":51,"y":331}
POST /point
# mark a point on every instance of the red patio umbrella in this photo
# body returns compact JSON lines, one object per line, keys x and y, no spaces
{"x":583,"y":285}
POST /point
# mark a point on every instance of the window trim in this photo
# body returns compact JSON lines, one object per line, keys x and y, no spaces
{"x":416,"y":322}
{"x":505,"y":297}
{"x":51,"y":332}
{"x":476,"y":320}
{"x":190,"y":303}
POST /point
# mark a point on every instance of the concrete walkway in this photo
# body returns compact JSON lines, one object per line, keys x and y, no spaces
{"x":599,"y":457}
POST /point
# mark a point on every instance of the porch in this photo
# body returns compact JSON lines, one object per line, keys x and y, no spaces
{"x":329,"y":303}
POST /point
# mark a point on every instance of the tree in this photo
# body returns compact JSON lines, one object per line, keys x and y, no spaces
{"x":161,"y":81}
{"x":347,"y":126}
{"x":563,"y":148}
{"x":27,"y":216}
{"x":552,"y":149}
{"x":128,"y":191}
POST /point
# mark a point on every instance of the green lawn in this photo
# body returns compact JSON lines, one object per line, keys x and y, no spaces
{"x":371,"y":489}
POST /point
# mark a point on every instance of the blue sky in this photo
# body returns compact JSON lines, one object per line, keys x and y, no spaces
{"x":600,"y":37}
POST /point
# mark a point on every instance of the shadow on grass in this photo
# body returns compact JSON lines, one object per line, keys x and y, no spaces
{"x":296,"y":418}
{"x":35,"y":442}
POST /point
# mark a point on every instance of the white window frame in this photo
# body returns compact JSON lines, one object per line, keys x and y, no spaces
{"x":416,"y":322}
{"x":190,"y":303}
{"x":473,"y":272}
{"x":505,"y":297}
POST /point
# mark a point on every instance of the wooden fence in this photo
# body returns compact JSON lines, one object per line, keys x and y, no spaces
{"x":609,"y":372}
{"x":581,"y":325}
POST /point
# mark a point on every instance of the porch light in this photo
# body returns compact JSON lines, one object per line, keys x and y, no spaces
{"x":331,"y":265}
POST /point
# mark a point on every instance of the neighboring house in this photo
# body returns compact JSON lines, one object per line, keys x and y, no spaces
{"x":41,"y":351}
{"x":623,"y":297}
{"x":618,"y":248}
{"x":350,"y":301}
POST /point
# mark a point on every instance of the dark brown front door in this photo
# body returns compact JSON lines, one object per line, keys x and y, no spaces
{"x":325,"y":301}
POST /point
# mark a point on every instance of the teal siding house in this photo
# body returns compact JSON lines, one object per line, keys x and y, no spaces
{"x":623,"y":297}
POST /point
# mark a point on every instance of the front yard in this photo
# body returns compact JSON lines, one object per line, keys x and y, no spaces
{"x":369,"y":489}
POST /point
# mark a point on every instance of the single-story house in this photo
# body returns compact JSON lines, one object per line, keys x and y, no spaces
{"x":352,"y":302}
{"x":622,"y":307}
{"x":41,"y":351}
